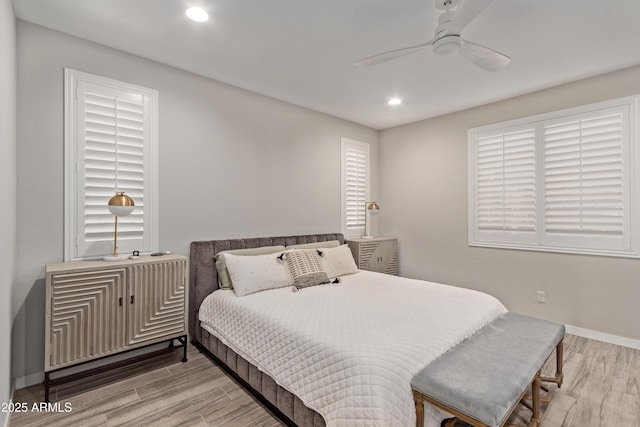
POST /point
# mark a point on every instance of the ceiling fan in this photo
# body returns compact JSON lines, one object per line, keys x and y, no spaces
{"x":448,"y":40}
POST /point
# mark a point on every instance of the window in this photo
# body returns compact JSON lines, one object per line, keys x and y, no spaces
{"x":110,"y":145}
{"x":355,"y":186}
{"x":562,"y":181}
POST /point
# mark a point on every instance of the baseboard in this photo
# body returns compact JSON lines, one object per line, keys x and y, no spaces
{"x":38,"y":377}
{"x":29,"y":380}
{"x":604,"y":337}
{"x":7,"y":415}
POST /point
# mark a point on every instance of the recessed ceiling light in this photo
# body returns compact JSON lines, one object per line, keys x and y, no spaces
{"x":197,"y":14}
{"x":394,"y":101}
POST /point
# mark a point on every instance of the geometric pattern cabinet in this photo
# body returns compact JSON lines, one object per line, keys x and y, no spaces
{"x":378,"y":254}
{"x":86,"y":318}
{"x":96,"y":309}
{"x":156,"y":300}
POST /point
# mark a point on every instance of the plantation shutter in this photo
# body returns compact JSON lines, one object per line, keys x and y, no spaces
{"x":585,"y":181}
{"x":505,"y":186}
{"x":560,"y":181}
{"x":113,"y":160}
{"x":112,"y":130}
{"x":355,"y":173}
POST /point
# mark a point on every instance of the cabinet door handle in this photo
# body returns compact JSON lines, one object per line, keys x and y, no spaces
{"x":120,"y":301}
{"x":131,"y":299}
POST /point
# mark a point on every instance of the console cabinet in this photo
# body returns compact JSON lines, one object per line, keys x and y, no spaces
{"x":96,"y":309}
{"x":378,"y":254}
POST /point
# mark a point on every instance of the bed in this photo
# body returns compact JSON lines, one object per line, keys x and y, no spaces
{"x":339,"y":354}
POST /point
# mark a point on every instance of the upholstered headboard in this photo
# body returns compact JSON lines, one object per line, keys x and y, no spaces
{"x":203,"y":277}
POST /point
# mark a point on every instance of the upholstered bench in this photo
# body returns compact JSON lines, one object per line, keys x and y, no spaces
{"x":483,"y":379}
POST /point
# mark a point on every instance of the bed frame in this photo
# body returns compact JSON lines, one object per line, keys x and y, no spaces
{"x":203,"y":280}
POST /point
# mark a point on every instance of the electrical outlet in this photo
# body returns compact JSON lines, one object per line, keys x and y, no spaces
{"x":540,"y":296}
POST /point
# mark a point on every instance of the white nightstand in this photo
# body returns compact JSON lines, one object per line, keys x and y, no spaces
{"x":376,"y":254}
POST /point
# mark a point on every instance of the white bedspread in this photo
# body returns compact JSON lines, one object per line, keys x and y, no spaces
{"x":350,"y":350}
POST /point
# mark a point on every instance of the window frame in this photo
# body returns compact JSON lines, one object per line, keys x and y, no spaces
{"x":630,"y":158}
{"x":345,"y":143}
{"x":72,"y":179}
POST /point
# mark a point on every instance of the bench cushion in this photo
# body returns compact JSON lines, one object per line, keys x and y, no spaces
{"x":485,"y":375}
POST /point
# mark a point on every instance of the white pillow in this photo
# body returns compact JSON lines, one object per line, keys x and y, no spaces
{"x":224,"y":281}
{"x":315,"y":245}
{"x":337,"y":261}
{"x":251,"y":274}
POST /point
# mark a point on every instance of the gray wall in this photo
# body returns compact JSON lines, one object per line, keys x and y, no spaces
{"x":423,"y":194}
{"x":232,"y":164}
{"x":8,"y":141}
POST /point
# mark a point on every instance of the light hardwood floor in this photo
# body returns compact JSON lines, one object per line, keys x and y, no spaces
{"x":601,"y":389}
{"x":160,"y":392}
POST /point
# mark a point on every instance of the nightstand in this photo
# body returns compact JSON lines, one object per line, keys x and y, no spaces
{"x":378,"y":254}
{"x":96,"y":309}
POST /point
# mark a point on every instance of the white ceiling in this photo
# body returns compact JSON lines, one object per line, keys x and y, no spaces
{"x":301,"y":51}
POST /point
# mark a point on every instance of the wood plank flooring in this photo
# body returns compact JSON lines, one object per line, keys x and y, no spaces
{"x":601,"y":389}
{"x":160,"y":392}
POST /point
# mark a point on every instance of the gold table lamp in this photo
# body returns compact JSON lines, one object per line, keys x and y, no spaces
{"x":119,"y":205}
{"x":371,"y":208}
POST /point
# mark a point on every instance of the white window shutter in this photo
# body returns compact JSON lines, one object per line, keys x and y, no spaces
{"x":355,"y":186}
{"x":112,"y":144}
{"x":564,"y":181}
{"x":585,"y":181}
{"x":505,"y":186}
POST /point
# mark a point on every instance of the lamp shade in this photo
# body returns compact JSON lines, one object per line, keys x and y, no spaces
{"x":121,"y":204}
{"x":373,"y":208}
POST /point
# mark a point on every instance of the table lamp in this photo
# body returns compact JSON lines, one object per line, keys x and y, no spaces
{"x":119,"y":205}
{"x":371,"y":208}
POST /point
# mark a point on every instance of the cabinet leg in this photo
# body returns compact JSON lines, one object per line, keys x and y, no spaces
{"x":46,"y":387}
{"x":184,"y":342}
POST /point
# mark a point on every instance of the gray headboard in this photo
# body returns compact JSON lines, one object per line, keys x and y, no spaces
{"x":203,"y":277}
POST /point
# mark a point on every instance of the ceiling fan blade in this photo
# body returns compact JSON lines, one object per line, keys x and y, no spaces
{"x":392,"y":54}
{"x":484,"y":57}
{"x":464,"y":14}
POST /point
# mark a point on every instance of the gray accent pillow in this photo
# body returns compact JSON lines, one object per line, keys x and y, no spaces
{"x":306,"y":268}
{"x":224,"y":280}
{"x":327,"y":244}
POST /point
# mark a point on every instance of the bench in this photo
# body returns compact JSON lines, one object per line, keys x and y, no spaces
{"x":483,"y":379}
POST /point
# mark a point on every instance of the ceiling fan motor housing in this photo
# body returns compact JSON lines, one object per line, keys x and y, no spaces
{"x":447,"y":45}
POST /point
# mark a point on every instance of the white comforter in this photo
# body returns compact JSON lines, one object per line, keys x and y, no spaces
{"x":349,"y":350}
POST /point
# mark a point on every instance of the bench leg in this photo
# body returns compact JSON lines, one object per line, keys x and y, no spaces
{"x":559,"y":356}
{"x":559,"y":377}
{"x":535,"y":402}
{"x":417,"y":397}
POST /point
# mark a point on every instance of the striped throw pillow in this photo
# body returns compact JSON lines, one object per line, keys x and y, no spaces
{"x":306,"y":268}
